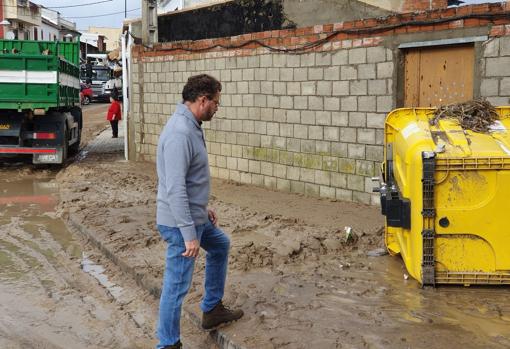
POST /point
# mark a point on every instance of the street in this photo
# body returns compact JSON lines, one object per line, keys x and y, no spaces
{"x":48,"y":301}
{"x":354,"y":157}
{"x":289,"y":270}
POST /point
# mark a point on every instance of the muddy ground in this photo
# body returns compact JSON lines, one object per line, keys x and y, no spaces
{"x":47,"y":301}
{"x":301,"y":283}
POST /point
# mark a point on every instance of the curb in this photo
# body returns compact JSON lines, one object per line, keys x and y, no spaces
{"x":147,"y":282}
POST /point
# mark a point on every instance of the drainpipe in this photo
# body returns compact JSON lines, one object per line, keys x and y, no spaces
{"x":125,"y":97}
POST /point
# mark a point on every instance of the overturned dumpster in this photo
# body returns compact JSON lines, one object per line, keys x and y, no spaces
{"x":444,"y":191}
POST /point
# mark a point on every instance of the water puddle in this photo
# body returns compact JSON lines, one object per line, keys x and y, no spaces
{"x":50,"y":297}
{"x":97,"y":271}
{"x":32,"y":238}
{"x":82,"y":155}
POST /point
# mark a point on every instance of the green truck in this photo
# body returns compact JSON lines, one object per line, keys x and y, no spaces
{"x":40,"y":113}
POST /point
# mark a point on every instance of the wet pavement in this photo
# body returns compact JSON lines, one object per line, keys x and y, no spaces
{"x":47,"y":300}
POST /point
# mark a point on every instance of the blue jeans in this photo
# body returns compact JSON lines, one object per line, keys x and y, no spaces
{"x":179,"y":272}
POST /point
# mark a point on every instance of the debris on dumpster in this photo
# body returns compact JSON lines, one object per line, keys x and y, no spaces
{"x":476,"y":115}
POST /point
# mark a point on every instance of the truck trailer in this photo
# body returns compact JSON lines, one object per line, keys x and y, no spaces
{"x":40,"y":113}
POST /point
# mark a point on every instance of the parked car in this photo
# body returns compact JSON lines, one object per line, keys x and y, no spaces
{"x":86,"y":94}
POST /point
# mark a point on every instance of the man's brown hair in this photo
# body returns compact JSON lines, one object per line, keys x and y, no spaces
{"x":200,"y":85}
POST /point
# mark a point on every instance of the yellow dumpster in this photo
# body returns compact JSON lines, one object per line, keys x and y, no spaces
{"x":445,"y":192}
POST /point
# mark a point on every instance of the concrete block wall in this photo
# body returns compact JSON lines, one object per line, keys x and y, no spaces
{"x":307,"y":123}
{"x":310,"y":123}
{"x":495,"y":82}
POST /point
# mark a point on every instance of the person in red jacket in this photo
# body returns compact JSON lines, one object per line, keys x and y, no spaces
{"x":114,"y":113}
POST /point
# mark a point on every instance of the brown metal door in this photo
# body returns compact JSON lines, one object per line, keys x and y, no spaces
{"x":439,"y":76}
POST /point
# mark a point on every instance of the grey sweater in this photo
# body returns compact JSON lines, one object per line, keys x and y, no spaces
{"x":183,"y":174}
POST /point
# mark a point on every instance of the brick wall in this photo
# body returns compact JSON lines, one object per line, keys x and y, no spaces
{"x":308,"y":122}
{"x":495,"y":82}
{"x":421,"y":5}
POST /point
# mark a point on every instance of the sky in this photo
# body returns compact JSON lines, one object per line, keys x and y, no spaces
{"x":96,"y":12}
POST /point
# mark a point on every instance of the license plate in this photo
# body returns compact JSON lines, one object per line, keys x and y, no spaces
{"x":5,"y":127}
{"x":47,"y":157}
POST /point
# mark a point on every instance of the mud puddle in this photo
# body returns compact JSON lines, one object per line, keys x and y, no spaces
{"x":353,"y":301}
{"x":47,"y":300}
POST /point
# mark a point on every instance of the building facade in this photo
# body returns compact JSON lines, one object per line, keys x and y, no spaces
{"x":91,"y":43}
{"x":21,"y":18}
{"x":55,"y":27}
{"x":111,"y":36}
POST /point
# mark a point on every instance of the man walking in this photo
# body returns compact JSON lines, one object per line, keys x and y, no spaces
{"x":183,"y":218}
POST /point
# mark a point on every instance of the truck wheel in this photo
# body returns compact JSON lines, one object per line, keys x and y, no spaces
{"x":78,"y":117}
{"x":65,"y":146}
{"x":73,"y":149}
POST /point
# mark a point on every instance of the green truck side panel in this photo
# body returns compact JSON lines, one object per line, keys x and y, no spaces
{"x":39,"y":56}
{"x":70,"y":51}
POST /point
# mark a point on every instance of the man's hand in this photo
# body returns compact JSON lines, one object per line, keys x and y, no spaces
{"x":192,"y":248}
{"x":212,"y":216}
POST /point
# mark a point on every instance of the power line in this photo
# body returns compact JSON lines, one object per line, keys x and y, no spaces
{"x":320,"y":42}
{"x":106,"y":14}
{"x":58,"y":7}
{"x":79,"y":5}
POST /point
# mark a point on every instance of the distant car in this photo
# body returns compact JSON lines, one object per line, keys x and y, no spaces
{"x":86,"y":94}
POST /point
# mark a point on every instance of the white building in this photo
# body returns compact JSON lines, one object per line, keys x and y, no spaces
{"x":22,"y":17}
{"x":54,"y":27}
{"x":174,"y":5}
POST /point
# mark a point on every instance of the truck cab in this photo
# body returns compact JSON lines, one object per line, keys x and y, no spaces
{"x":102,"y":79}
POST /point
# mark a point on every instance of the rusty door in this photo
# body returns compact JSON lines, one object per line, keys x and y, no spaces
{"x":438,"y":76}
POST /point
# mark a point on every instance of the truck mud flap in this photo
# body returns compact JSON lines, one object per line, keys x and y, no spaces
{"x":10,"y":127}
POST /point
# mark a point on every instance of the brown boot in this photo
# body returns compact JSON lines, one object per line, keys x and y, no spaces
{"x":177,"y":345}
{"x":220,"y":315}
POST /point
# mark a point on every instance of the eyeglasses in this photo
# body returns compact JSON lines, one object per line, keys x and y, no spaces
{"x":215,"y":101}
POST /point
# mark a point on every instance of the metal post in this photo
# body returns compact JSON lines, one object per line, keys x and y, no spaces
{"x":125,"y":9}
{"x":149,"y":22}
